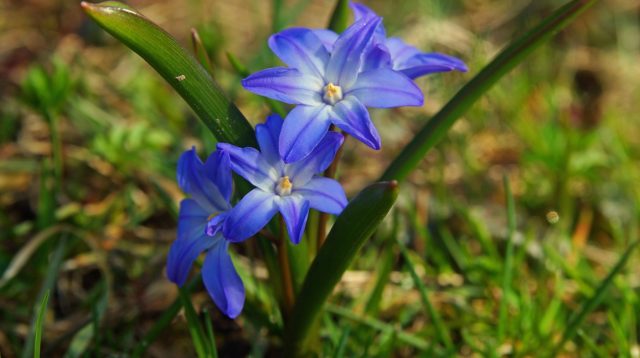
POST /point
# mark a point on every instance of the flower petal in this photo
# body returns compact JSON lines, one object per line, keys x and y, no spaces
{"x":195,"y":180}
{"x":400,"y":51}
{"x":324,"y":194}
{"x":251,"y":165}
{"x":295,"y":211}
{"x":301,"y":49}
{"x":426,"y":63}
{"x":347,"y":55}
{"x":218,"y":168}
{"x":352,"y":117}
{"x":327,"y":37}
{"x":191,"y":241}
{"x":250,"y":215}
{"x":268,"y":135}
{"x":287,"y":85}
{"x":377,"y":57}
{"x":386,"y":88}
{"x":303,"y":129}
{"x":362,"y":12}
{"x":222,"y":281}
{"x":318,"y":161}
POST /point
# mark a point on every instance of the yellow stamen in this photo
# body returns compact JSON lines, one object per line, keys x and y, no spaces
{"x":284,"y":186}
{"x":332,"y":93}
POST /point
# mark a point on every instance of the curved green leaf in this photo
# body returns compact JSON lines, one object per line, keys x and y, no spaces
{"x":177,"y":66}
{"x":340,"y":18}
{"x":438,"y":126}
{"x":353,"y":227}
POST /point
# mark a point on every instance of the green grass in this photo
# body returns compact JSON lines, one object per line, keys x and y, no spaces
{"x":467,"y":275}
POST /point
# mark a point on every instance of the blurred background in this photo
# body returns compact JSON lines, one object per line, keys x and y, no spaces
{"x":94,"y":223}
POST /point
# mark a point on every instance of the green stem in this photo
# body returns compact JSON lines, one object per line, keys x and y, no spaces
{"x":329,"y":173}
{"x":56,"y":147}
{"x":285,"y":268}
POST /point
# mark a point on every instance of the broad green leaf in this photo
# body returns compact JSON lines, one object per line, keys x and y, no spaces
{"x":512,"y":55}
{"x":340,"y":18}
{"x":176,"y":66}
{"x":352,"y":228}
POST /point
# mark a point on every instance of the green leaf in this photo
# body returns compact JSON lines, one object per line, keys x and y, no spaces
{"x":507,"y":273}
{"x":576,"y":320}
{"x":437,"y":127}
{"x":197,"y":334}
{"x":352,"y":228}
{"x":340,"y":17}
{"x":436,"y":319}
{"x":177,"y":67}
{"x":39,"y":323}
{"x":200,"y":51}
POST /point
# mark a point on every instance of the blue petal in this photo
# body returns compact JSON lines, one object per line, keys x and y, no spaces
{"x":303,"y":129}
{"x":301,"y":49}
{"x":295,"y":211}
{"x":250,"y":215}
{"x":361,"y":12}
{"x":426,"y":63}
{"x":324,"y":194}
{"x":191,"y":241}
{"x":377,"y":57}
{"x":222,"y":281}
{"x":287,"y":85}
{"x":218,"y":168}
{"x":197,"y":181}
{"x":352,"y":117}
{"x":400,"y":51}
{"x":346,"y":58}
{"x":386,"y":88}
{"x":326,"y":37}
{"x":317,"y":162}
{"x":251,"y":165}
{"x":268,"y":135}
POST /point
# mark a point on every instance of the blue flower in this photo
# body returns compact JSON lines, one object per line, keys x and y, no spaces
{"x":329,"y":87}
{"x":200,"y":224}
{"x":290,"y":189}
{"x":393,"y":52}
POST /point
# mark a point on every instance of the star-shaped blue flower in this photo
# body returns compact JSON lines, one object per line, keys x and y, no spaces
{"x":200,"y":229}
{"x":393,"y":52}
{"x":290,"y":189}
{"x":330,"y":87}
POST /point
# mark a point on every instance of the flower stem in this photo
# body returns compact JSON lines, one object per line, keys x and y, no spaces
{"x":329,"y":173}
{"x":285,"y":268}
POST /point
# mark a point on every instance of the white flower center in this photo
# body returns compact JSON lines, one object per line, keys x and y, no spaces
{"x":283,"y":188}
{"x":332,"y":94}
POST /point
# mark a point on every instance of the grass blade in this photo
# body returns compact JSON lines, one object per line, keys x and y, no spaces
{"x":441,"y":330}
{"x":404,"y":337}
{"x":197,"y":335}
{"x":211,"y":338}
{"x":508,"y":261}
{"x":39,"y":323}
{"x":437,"y":127}
{"x":176,"y":66}
{"x":588,"y":306}
{"x":352,"y":228}
{"x":47,"y":285}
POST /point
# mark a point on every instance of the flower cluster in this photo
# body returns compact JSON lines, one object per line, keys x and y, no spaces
{"x":331,"y":79}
